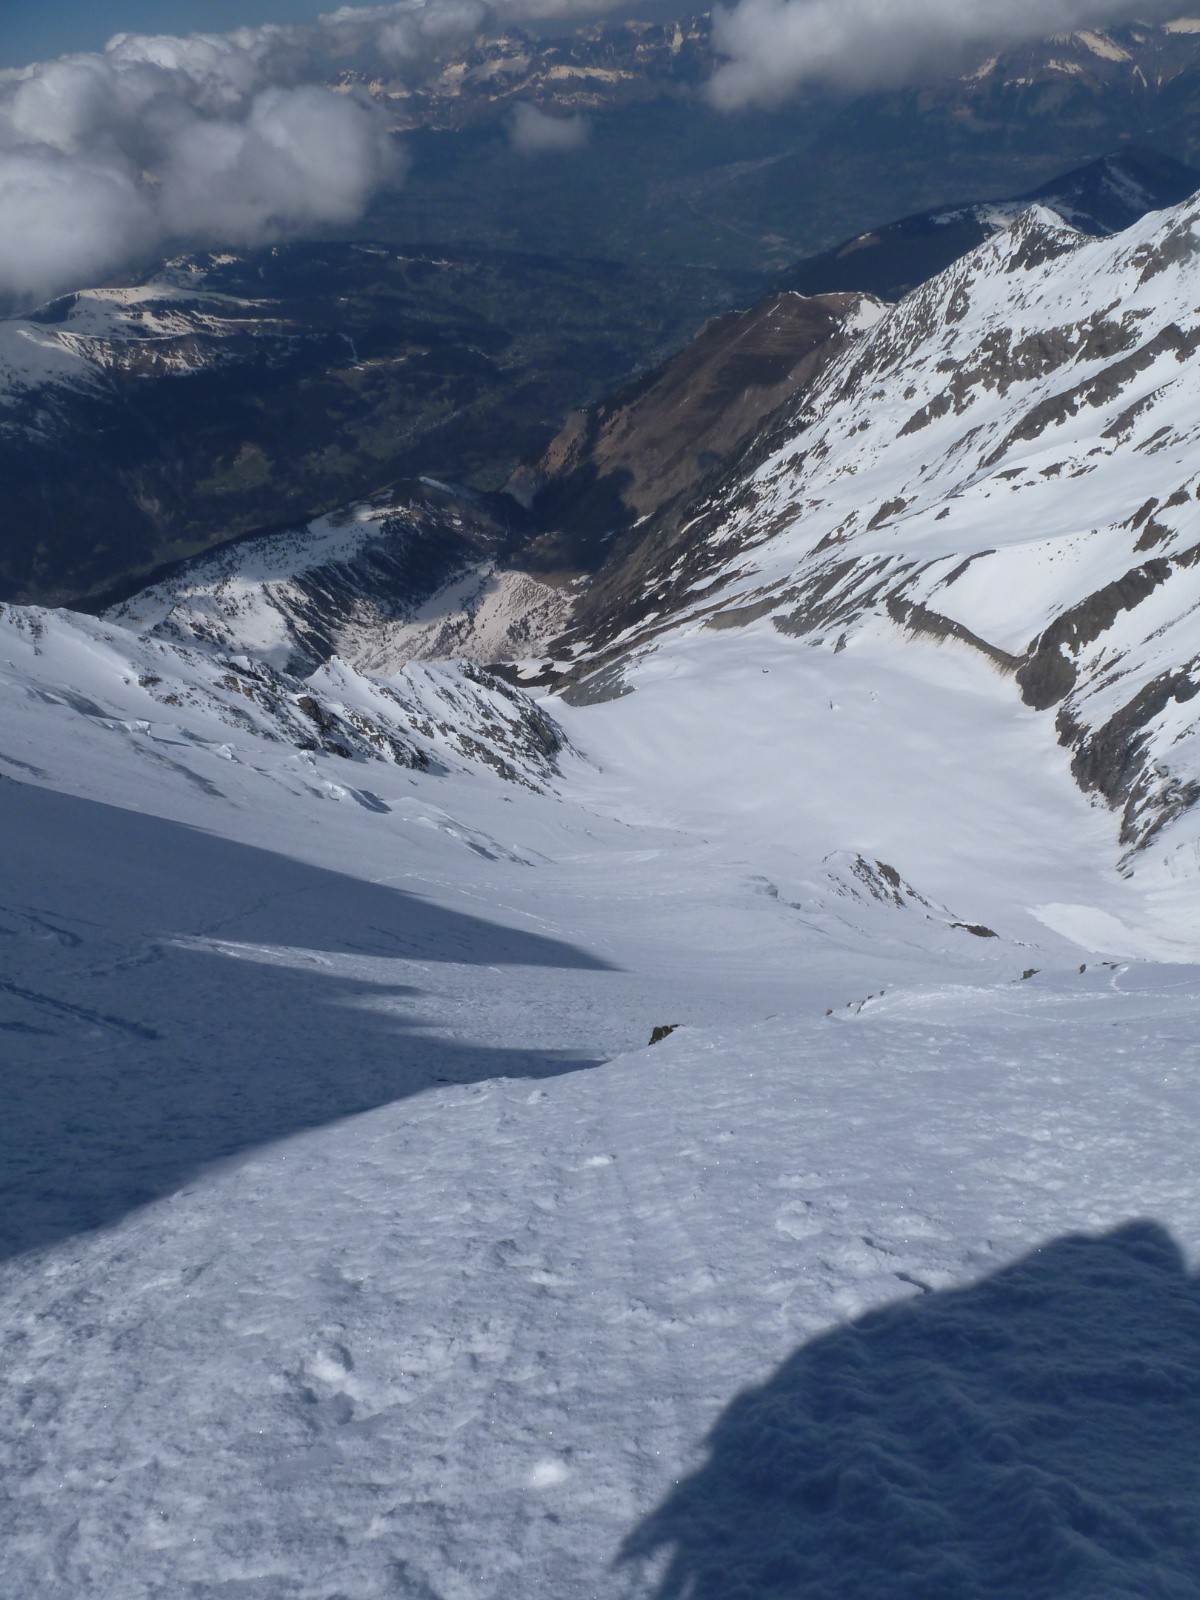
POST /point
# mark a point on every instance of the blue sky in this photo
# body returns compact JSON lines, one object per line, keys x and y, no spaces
{"x":35,"y":30}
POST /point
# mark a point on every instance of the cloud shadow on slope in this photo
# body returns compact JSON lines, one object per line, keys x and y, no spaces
{"x":129,"y":1060}
{"x":1033,"y":1437}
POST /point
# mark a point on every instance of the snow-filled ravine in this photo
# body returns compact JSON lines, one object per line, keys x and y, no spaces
{"x":356,"y":1242}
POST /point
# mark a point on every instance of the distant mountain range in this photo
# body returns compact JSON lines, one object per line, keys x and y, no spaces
{"x":231,"y":393}
{"x":665,"y":178}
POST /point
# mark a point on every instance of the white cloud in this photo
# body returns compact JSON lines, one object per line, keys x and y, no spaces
{"x":67,"y":221}
{"x":773,"y":47}
{"x":535,"y":132}
{"x":210,"y":139}
{"x":299,"y":157}
{"x":216,"y":138}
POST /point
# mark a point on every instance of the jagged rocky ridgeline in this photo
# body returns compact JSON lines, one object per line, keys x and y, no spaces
{"x":173,"y":702}
{"x":354,"y":584}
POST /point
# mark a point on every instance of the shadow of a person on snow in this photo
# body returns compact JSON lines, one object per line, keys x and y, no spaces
{"x":1036,"y":1435}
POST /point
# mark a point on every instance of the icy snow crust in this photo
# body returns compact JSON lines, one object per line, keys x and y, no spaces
{"x":356,"y":1243}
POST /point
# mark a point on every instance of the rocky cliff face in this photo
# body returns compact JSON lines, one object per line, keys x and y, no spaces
{"x":648,"y":447}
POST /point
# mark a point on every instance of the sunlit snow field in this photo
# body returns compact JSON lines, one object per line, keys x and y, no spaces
{"x":358,"y":1244}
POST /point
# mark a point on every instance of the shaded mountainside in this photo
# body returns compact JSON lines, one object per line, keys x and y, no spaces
{"x":138,"y":426}
{"x":641,"y":450}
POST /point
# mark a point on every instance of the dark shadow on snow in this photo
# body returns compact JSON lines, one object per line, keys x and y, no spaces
{"x":1035,"y":1437}
{"x":129,"y":1059}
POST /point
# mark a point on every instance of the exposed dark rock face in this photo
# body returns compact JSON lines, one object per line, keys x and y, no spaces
{"x":920,"y":619}
{"x":1111,"y":759}
{"x":1048,"y":674}
{"x":653,"y":444}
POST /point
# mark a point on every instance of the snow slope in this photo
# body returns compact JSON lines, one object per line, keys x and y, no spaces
{"x":353,"y":583}
{"x":186,"y":709}
{"x":356,"y":1243}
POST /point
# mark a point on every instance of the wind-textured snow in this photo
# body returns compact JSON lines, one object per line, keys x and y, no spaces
{"x":356,"y":1240}
{"x":359,"y":1245}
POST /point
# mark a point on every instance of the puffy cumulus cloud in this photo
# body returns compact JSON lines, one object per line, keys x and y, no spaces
{"x":299,"y":157}
{"x":210,"y":139}
{"x":217,"y":138}
{"x":772,"y":47}
{"x":536,"y":133}
{"x":65,"y":221}
{"x":404,"y":34}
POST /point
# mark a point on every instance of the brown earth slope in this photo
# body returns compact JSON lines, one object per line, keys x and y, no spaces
{"x":653,"y":443}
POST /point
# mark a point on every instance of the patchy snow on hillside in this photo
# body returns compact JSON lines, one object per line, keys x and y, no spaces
{"x":74,"y":341}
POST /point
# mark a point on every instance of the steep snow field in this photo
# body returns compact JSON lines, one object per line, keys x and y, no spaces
{"x":357,"y":1244}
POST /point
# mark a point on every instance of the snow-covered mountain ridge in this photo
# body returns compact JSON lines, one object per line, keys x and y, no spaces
{"x":1008,"y":460}
{"x":341,"y":585}
{"x":161,"y":328}
{"x":193,"y":709}
{"x":1101,"y":198}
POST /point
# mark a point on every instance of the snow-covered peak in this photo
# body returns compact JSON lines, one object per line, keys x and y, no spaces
{"x":341,"y":585}
{"x":1007,"y":461}
{"x":77,"y":339}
